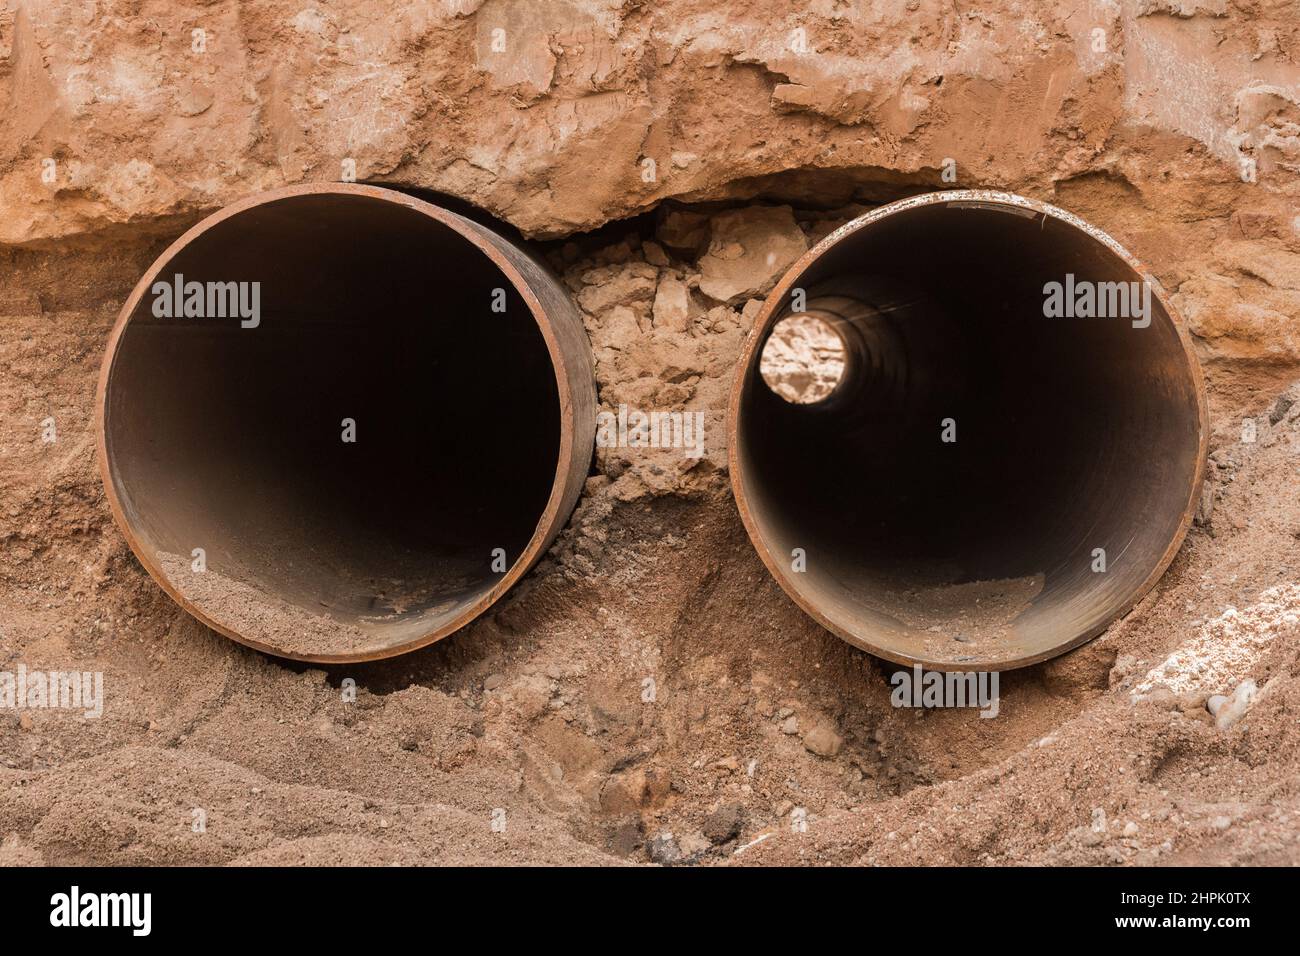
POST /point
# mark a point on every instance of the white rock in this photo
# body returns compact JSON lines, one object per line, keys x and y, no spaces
{"x":1235,"y":707}
{"x":672,"y":304}
{"x":1227,"y":646}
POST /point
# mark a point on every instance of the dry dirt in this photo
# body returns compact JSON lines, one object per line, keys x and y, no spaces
{"x":649,"y":693}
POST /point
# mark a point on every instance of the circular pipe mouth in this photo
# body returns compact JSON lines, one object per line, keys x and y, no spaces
{"x":1013,"y":454}
{"x":336,"y":423}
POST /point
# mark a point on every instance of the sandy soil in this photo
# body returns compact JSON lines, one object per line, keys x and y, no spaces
{"x":648,"y":694}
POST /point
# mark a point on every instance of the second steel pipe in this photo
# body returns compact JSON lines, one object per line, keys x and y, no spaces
{"x":997,"y":476}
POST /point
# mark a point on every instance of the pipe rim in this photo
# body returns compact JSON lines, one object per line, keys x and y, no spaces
{"x":767,"y":318}
{"x":553,"y":517}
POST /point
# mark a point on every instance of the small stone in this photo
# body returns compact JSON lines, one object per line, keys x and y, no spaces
{"x":683,"y":231}
{"x":724,"y":823}
{"x":1130,"y":829}
{"x":610,"y":286}
{"x":790,"y":725}
{"x":672,"y":304}
{"x":823,"y":740}
{"x":749,"y":249}
{"x":1221,"y":823}
{"x":1230,"y":711}
{"x":1280,"y":408}
{"x":617,"y":253}
{"x":693,"y":845}
{"x":493,"y":681}
{"x":654,"y":253}
{"x":663,"y":849}
{"x":196,"y":98}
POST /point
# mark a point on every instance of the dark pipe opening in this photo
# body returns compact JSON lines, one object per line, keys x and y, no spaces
{"x":1073,"y":436}
{"x":231,"y":439}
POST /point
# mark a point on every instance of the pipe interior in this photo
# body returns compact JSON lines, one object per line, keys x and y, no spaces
{"x":230,"y":439}
{"x":1072,"y":434}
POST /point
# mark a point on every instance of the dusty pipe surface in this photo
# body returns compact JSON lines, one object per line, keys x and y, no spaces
{"x":336,"y":422}
{"x":1004,"y":467}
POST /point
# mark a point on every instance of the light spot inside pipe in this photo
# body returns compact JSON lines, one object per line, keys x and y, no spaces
{"x":803,"y":359}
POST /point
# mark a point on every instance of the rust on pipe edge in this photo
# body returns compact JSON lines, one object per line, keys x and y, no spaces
{"x":549,"y":524}
{"x":769,"y":313}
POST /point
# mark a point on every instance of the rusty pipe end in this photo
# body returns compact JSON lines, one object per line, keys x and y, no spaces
{"x":336,"y":423}
{"x":987,"y":487}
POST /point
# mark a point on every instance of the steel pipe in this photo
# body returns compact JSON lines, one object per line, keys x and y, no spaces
{"x":336,"y":422}
{"x":1004,"y":468}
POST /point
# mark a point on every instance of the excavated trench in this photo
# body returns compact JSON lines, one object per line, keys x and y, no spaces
{"x":339,"y":421}
{"x":734,"y":661}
